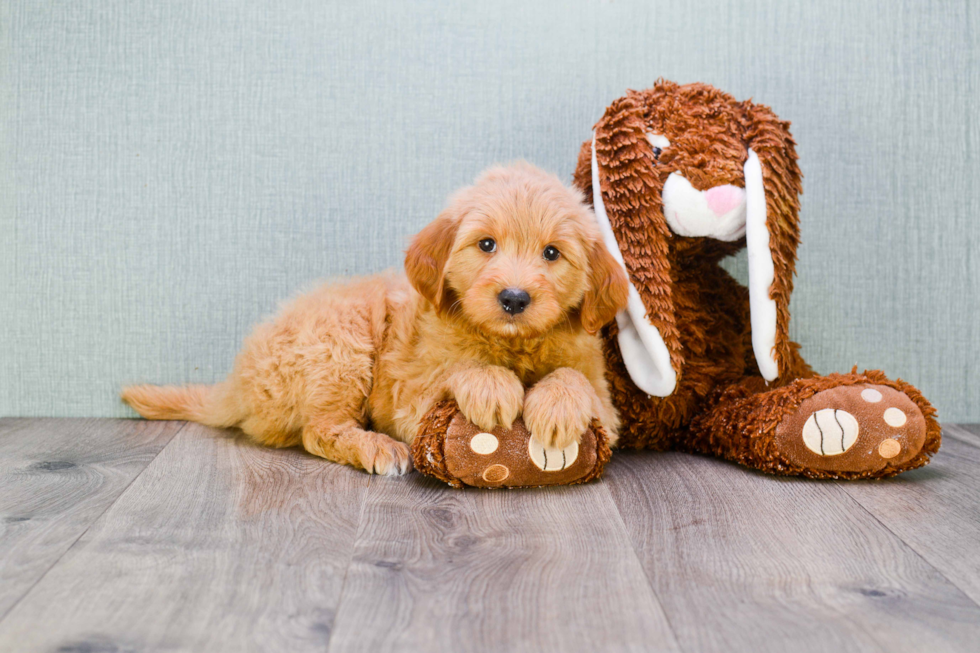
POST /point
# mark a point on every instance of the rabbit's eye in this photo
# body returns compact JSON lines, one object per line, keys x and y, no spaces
{"x":659,"y":143}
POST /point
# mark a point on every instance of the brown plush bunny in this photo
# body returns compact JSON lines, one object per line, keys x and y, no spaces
{"x":688,"y":176}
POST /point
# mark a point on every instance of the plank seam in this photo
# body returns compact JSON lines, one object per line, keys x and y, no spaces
{"x":639,"y":563}
{"x":960,"y":433}
{"x":907,"y":544}
{"x":3,"y":617}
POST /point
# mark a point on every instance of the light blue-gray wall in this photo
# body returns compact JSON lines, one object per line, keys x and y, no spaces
{"x":171,"y":170}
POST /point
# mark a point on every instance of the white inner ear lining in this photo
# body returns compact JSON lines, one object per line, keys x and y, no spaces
{"x":762,"y":272}
{"x":658,"y":140}
{"x":644,"y":353}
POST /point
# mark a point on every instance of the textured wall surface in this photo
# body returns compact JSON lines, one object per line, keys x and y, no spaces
{"x":171,"y":170}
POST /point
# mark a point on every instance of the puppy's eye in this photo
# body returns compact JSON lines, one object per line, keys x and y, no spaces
{"x":488,"y":245}
{"x":551,"y":253}
{"x":656,"y":153}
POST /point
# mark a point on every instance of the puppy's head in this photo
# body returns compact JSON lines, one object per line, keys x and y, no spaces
{"x":515,"y":254}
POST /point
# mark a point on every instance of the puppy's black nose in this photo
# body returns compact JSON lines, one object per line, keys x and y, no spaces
{"x":513,"y":300}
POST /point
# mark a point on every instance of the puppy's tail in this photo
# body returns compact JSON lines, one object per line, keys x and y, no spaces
{"x":214,"y":405}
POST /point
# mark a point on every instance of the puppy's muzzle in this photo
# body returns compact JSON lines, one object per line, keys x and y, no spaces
{"x":513,"y":300}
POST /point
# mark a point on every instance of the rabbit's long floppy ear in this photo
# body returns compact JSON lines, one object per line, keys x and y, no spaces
{"x":772,"y":233}
{"x":618,"y":177}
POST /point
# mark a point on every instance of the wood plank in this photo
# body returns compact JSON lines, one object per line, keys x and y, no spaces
{"x":436,"y":569}
{"x":970,"y":430}
{"x":218,"y":546}
{"x":936,"y":509}
{"x":57,"y":476}
{"x":744,"y":561}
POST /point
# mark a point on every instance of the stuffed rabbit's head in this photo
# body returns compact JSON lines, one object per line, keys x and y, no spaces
{"x":689,"y":175}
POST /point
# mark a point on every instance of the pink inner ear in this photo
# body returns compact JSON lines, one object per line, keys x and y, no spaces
{"x":722,"y":199}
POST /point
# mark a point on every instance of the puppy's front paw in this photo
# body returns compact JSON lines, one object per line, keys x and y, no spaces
{"x":559,"y":408}
{"x":379,"y":454}
{"x":489,"y":396}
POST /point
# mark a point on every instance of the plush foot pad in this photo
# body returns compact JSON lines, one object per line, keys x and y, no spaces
{"x":853,"y":428}
{"x":451,"y":448}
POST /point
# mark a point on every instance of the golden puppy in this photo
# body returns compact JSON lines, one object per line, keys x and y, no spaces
{"x":506,"y":289}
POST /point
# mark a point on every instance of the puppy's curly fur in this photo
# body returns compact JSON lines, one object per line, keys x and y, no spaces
{"x":378,"y":352}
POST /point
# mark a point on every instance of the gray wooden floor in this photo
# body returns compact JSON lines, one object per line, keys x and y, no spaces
{"x":120,"y":535}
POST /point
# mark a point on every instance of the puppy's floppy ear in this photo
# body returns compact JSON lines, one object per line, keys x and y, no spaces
{"x":426,"y":257}
{"x":608,"y":289}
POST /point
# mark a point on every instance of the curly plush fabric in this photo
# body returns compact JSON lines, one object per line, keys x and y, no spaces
{"x":721,"y":404}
